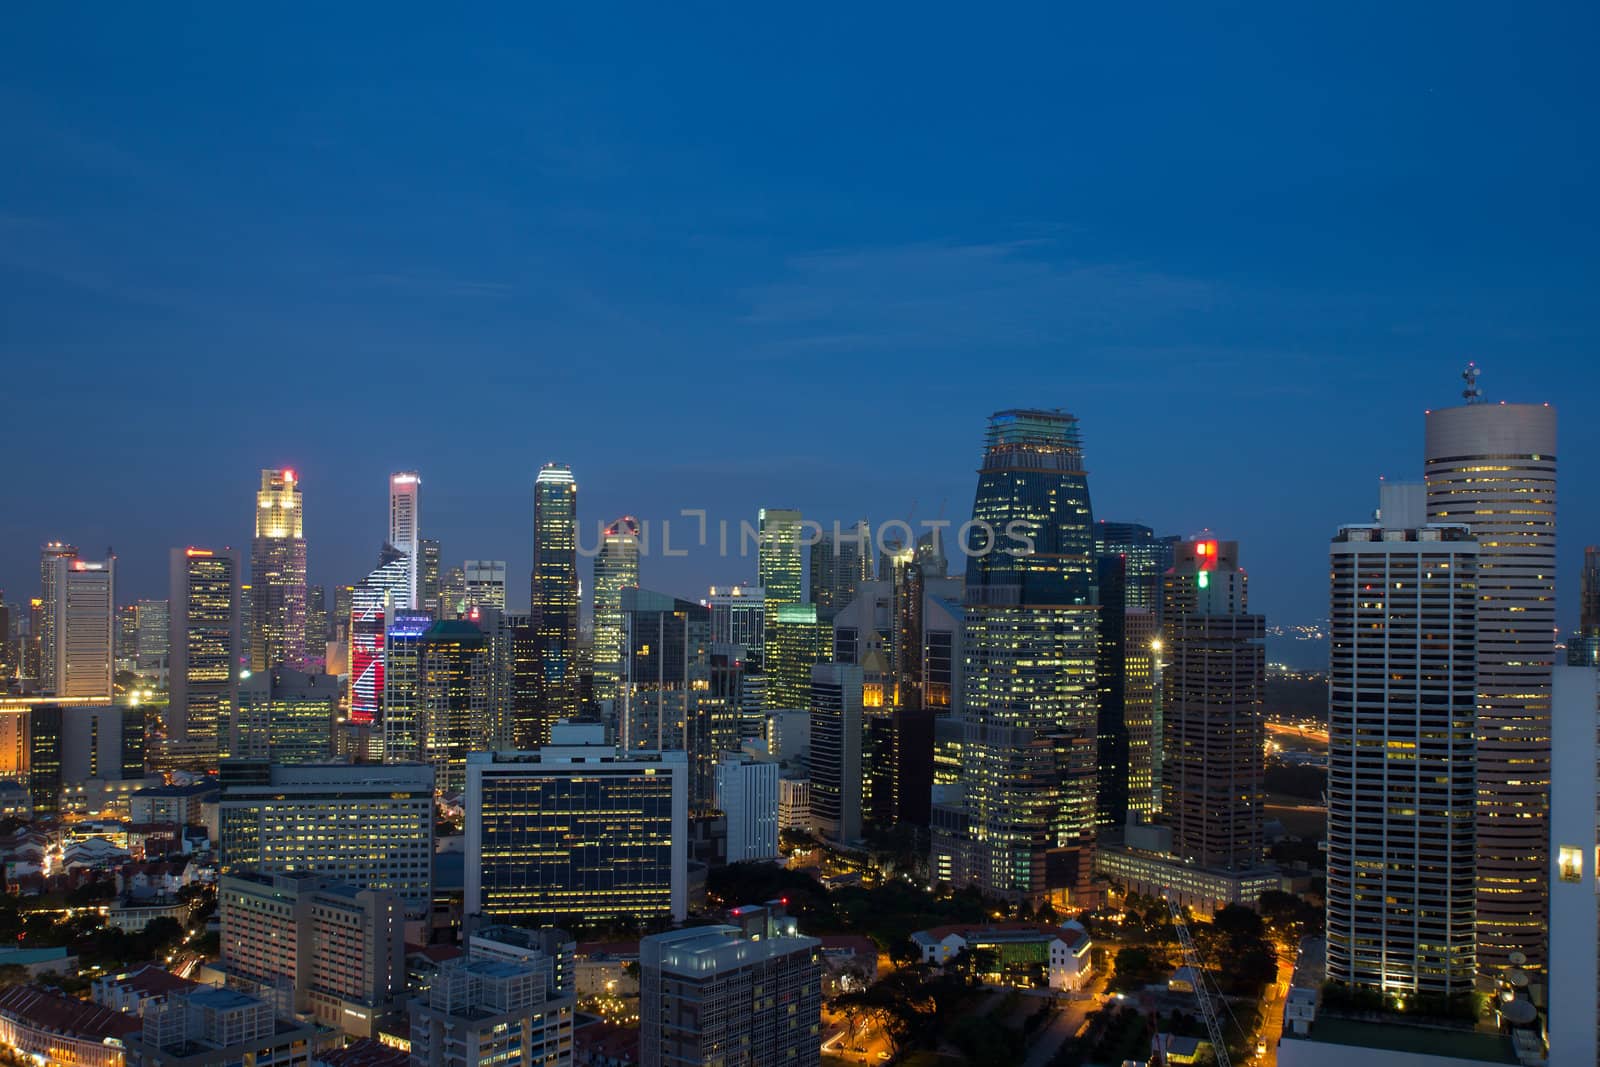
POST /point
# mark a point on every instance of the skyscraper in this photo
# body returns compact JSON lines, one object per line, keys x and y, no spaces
{"x":554,"y":591}
{"x":1215,"y":732}
{"x":779,"y":558}
{"x":455,"y":684}
{"x":1583,"y":647}
{"x":839,"y":563}
{"x":1402,"y":690}
{"x":836,"y":771}
{"x":429,"y":581}
{"x":316,"y":625}
{"x":1492,"y":468}
{"x":405,"y":519}
{"x":278,"y":574}
{"x":205,"y":643}
{"x":616,"y":567}
{"x":49,"y":553}
{"x":795,"y":641}
{"x":403,"y":716}
{"x":84,"y":624}
{"x":285,"y":716}
{"x":486,"y":583}
{"x":1028,"y":756}
{"x":371,"y":605}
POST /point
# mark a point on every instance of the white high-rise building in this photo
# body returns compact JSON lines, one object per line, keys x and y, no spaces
{"x":1402,"y":694}
{"x":1574,"y":1022}
{"x":746,"y":791}
{"x":405,"y":491}
{"x":84,"y":624}
{"x":1492,"y":468}
{"x":49,"y":555}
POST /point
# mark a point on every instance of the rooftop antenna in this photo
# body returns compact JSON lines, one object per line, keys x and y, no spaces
{"x":1472,"y":393}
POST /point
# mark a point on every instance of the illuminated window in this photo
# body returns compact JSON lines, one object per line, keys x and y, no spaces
{"x":1571,"y":864}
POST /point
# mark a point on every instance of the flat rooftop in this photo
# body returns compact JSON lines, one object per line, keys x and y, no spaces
{"x":1399,"y":1036}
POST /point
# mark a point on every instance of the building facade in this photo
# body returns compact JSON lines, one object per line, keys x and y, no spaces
{"x":576,"y":829}
{"x":1492,"y":468}
{"x":277,"y":631}
{"x":554,"y":591}
{"x":1402,"y":758}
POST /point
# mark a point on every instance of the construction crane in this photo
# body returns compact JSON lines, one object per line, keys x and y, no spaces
{"x":1191,"y":959}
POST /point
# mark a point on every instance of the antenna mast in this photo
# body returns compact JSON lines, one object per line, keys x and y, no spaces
{"x":1471,"y":393}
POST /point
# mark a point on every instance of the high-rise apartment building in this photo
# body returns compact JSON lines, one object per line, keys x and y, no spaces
{"x":836,"y":772}
{"x":1492,"y":468}
{"x":405,"y":521}
{"x":1212,"y":717}
{"x":49,"y":554}
{"x":554,"y":591}
{"x":840,"y":561}
{"x":84,"y":628}
{"x":368,"y":825}
{"x":576,"y":829}
{"x":779,"y":562}
{"x":206,"y":642}
{"x":616,"y":567}
{"x":313,"y":946}
{"x":1401,"y":754}
{"x":1025,"y":829}
{"x":278,"y":573}
{"x":743,"y":994}
{"x":486,"y":583}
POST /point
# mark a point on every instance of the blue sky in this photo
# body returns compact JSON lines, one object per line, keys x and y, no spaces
{"x":727,"y":257}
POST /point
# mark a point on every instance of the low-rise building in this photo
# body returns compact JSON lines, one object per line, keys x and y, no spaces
{"x":54,"y":1029}
{"x":1059,"y":955}
{"x":39,"y":961}
{"x":1158,"y":874}
{"x":130,"y":992}
{"x":485,"y":1011}
{"x":180,"y":804}
{"x":216,"y":1027}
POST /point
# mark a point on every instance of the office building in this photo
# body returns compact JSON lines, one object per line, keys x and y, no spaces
{"x":312,"y":946}
{"x":518,"y":676}
{"x":285,"y":716}
{"x":576,"y":829}
{"x":743,"y":994}
{"x":836,"y":734}
{"x":1574,"y":876}
{"x":83,"y":623}
{"x":1492,"y":468}
{"x":794,"y":804}
{"x":206,"y":643}
{"x":501,"y":1003}
{"x":369,"y":825}
{"x":616,"y":567}
{"x":455,"y":687}
{"x":747,"y":793}
{"x":485,"y":583}
{"x":372,"y":603}
{"x":217,"y":1027}
{"x":74,"y":753}
{"x":277,"y":630}
{"x":554,"y":589}
{"x":1146,"y":558}
{"x":666,"y":697}
{"x":841,"y":559}
{"x":1215,"y":732}
{"x":1025,"y":827}
{"x":316,"y":626}
{"x":405,"y":520}
{"x":1583,"y":647}
{"x":795,"y":641}
{"x":49,"y":554}
{"x":739,"y":617}
{"x":403,"y":719}
{"x":1127,"y":678}
{"x":779,"y":569}
{"x":429,"y":581}
{"x":154,"y":643}
{"x":1401,"y":755}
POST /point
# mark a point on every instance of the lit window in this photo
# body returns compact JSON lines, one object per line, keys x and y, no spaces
{"x":1571,"y":864}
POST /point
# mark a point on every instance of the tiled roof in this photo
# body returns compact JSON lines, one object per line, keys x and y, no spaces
{"x":152,"y":980}
{"x":64,"y":1015}
{"x":365,"y":1053}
